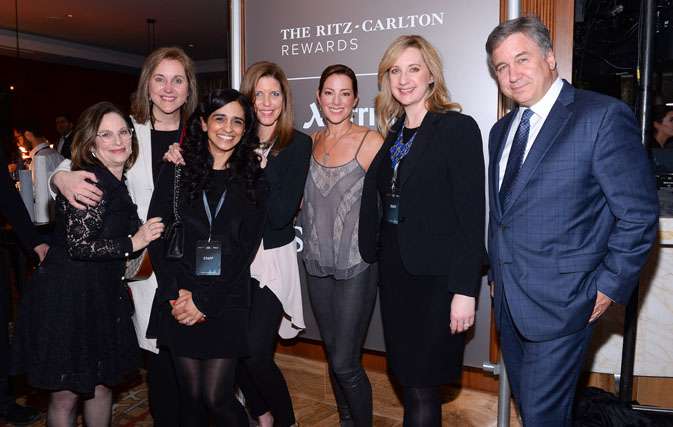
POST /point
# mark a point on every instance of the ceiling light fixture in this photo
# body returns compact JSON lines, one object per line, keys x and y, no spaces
{"x":69,"y":15}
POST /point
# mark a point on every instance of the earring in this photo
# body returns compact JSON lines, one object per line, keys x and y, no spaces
{"x":93,"y":155}
{"x":432,"y":80}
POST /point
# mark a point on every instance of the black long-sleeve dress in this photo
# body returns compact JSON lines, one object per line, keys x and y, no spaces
{"x":224,"y":299}
{"x":73,"y":329}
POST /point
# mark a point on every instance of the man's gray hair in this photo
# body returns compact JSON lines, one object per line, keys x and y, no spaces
{"x":531,"y":26}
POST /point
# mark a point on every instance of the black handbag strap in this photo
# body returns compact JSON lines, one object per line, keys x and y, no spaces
{"x":176,"y":191}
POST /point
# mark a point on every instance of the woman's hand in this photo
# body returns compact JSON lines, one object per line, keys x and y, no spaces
{"x":151,"y":230}
{"x":462,"y":313}
{"x":41,"y":251}
{"x":174,"y":154}
{"x":184,"y":310}
{"x":74,"y":187}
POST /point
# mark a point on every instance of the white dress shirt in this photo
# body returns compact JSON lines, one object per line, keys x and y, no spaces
{"x":540,"y":112}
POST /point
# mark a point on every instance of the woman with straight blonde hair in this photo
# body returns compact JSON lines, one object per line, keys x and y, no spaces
{"x":428,"y":234}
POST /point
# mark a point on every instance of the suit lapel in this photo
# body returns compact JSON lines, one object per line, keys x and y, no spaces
{"x":423,"y":138}
{"x":551,"y":129}
{"x":499,"y":138}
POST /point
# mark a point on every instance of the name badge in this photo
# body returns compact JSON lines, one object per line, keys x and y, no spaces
{"x":208,"y":258}
{"x":391,"y":208}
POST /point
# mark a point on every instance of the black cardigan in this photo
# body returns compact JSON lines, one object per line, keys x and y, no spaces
{"x":286,"y":174}
{"x":238,"y":227}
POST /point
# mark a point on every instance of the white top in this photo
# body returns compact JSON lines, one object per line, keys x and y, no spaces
{"x":540,"y":112}
{"x":278,"y":269}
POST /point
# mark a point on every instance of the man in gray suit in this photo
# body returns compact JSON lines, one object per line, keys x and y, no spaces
{"x":573,"y":213}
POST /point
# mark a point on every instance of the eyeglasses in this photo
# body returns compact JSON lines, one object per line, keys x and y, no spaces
{"x":109,"y":136}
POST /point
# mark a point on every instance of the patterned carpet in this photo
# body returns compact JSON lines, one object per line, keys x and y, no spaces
{"x":130,"y":406}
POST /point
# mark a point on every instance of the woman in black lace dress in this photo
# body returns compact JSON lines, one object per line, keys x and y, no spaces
{"x":73,"y":333}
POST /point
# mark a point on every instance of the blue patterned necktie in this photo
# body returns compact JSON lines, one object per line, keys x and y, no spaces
{"x":515,"y":159}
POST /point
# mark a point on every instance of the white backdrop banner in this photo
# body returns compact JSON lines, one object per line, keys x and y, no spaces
{"x":305,"y":36}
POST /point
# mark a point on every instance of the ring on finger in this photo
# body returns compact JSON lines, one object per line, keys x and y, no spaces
{"x":75,"y":196}
{"x":467,"y":325}
{"x":186,"y":321}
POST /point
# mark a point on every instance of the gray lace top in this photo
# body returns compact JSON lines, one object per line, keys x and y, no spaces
{"x":330,"y":216}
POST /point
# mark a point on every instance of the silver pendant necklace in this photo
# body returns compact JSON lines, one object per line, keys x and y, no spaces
{"x":324,"y":158}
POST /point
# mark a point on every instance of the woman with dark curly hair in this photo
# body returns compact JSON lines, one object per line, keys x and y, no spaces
{"x":200,"y":310}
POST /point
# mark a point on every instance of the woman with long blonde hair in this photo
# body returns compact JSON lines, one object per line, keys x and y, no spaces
{"x":427,"y":235}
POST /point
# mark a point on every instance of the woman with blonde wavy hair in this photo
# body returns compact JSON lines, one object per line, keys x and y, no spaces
{"x":427,"y":235}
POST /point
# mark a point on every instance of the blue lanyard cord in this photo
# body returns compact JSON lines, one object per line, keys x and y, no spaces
{"x":217,"y":210}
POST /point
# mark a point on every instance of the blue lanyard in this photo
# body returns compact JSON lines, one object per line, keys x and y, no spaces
{"x":397,"y":152}
{"x":217,"y":210}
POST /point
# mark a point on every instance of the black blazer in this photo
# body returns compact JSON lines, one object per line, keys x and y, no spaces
{"x":442,"y":202}
{"x":67,"y":146}
{"x":286,"y":175}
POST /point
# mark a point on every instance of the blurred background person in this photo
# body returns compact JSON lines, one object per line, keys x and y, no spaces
{"x":64,"y":127}
{"x":165,"y":98}
{"x":13,"y":210}
{"x":662,"y":123}
{"x":341,"y":285}
{"x":73,"y":333}
{"x":201,"y":307}
{"x":429,"y":236}
{"x":28,"y":136}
